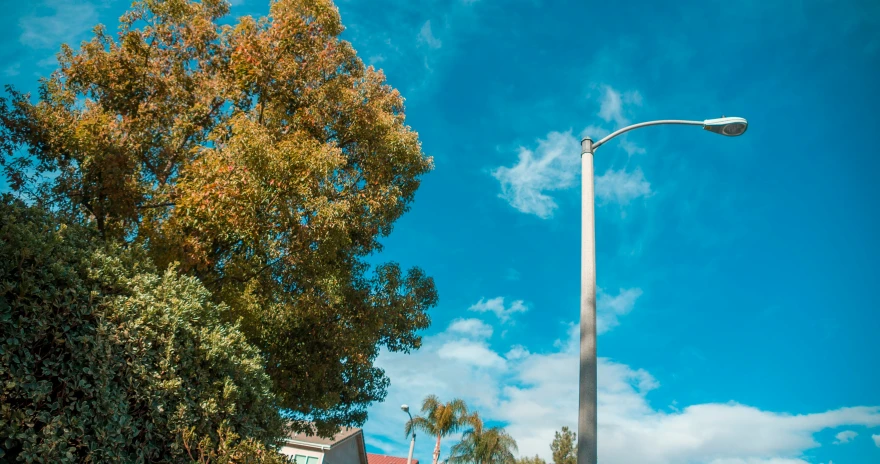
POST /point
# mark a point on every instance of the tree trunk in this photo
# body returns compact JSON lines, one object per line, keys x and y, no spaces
{"x":437,"y":450}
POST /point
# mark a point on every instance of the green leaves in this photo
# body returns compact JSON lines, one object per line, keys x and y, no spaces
{"x":104,"y":360}
{"x":482,"y":445}
{"x":564,"y":447}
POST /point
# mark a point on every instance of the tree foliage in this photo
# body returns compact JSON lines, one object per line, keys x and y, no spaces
{"x":264,"y":158}
{"x":104,"y":360}
{"x":531,"y":460}
{"x":564,"y":447}
{"x":482,"y":445}
{"x":439,"y":420}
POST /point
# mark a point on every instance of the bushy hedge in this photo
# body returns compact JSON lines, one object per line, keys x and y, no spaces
{"x":104,"y":360}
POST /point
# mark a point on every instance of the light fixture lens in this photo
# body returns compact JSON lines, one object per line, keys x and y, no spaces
{"x":404,"y":407}
{"x":730,"y":127}
{"x":734,"y":129}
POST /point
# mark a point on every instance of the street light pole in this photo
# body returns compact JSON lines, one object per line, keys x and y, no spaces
{"x":587,"y":389}
{"x":587,"y":450}
{"x":412,"y":442}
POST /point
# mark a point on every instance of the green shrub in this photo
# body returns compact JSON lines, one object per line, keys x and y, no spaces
{"x":103,"y":360}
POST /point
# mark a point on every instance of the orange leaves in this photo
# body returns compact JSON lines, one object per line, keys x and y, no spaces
{"x":283,"y":160}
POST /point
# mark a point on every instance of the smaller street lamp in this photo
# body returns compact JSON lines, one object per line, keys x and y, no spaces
{"x":412,"y":442}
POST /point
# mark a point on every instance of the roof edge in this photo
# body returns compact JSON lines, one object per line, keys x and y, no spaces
{"x":308,"y":444}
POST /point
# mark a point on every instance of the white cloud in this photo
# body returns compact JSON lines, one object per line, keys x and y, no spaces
{"x":517,"y":352}
{"x":496,"y":305}
{"x":621,"y":186}
{"x":472,"y":327}
{"x":374,"y":60}
{"x":876,"y":439}
{"x":612,"y":105}
{"x":535,"y":393}
{"x":554,"y":165}
{"x":69,"y":19}
{"x":845,"y":437}
{"x":12,"y":70}
{"x":425,"y":35}
{"x":610,"y":308}
{"x":594,"y":132}
{"x":471,"y":353}
{"x":630,"y":147}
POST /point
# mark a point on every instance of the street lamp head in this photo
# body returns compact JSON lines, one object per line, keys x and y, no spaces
{"x":404,"y":407}
{"x":726,"y":126}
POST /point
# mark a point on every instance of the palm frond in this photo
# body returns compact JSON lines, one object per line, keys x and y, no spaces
{"x":419,"y":423}
{"x":430,"y":404}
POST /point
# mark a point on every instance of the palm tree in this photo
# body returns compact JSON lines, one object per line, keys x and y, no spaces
{"x":480,"y":445}
{"x":439,"y":419}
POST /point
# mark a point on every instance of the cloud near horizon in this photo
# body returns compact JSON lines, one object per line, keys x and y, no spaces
{"x":534,"y":394}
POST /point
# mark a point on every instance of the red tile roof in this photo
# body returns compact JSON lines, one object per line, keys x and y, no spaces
{"x":382,"y":459}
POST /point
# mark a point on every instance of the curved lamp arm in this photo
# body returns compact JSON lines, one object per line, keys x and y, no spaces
{"x":724,"y":126}
{"x":644,"y":124}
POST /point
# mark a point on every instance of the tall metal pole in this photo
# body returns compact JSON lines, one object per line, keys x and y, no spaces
{"x":587,"y":450}
{"x":587,"y":424}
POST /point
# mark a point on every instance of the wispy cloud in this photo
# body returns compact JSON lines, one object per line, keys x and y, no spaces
{"x":614,"y":107}
{"x":426,"y":36}
{"x":845,"y":437}
{"x":534,"y":394}
{"x":12,"y":70}
{"x":413,"y":43}
{"x":553,"y":165}
{"x":621,"y":186}
{"x":68,"y":20}
{"x":876,"y":439}
{"x":496,"y":306}
{"x":609,"y":308}
{"x":614,"y":104}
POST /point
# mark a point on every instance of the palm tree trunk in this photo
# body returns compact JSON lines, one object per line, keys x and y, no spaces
{"x":437,"y":450}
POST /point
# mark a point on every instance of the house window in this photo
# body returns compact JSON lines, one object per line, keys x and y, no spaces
{"x":300,"y":459}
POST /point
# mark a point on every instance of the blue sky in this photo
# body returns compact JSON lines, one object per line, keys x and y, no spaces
{"x":738,"y":302}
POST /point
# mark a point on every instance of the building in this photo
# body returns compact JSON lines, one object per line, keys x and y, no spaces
{"x":383,"y":459}
{"x":347,"y":447}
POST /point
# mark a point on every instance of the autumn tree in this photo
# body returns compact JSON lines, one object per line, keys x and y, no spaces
{"x":262,"y":158}
{"x":563,"y":447}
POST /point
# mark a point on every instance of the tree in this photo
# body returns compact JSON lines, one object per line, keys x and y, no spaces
{"x":264,"y":159}
{"x":563,"y":447}
{"x":439,"y":420}
{"x":104,"y":360}
{"x":481,"y":445}
{"x":531,"y":460}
